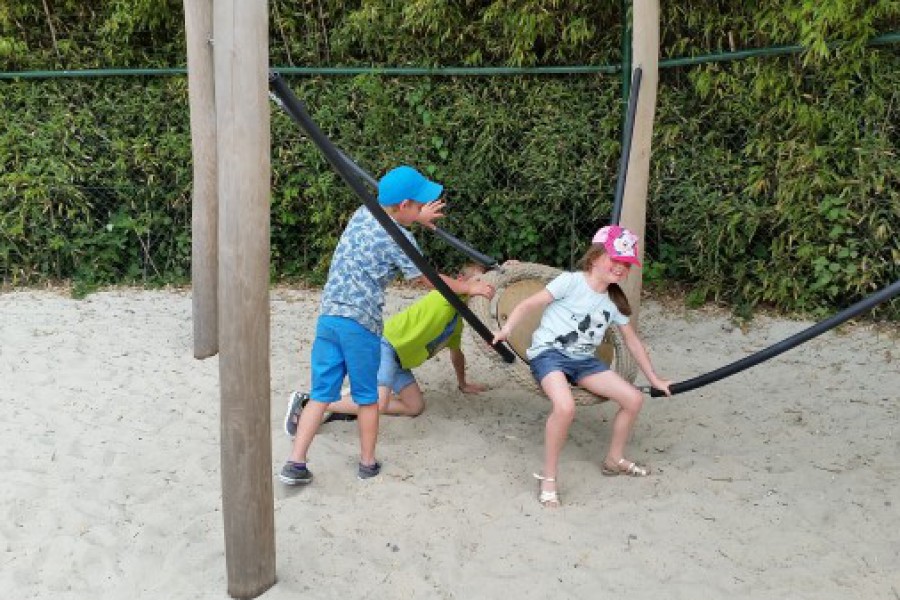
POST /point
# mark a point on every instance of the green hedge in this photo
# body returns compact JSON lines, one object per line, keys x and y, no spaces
{"x":788,"y":192}
{"x":774,"y":181}
{"x":95,"y":182}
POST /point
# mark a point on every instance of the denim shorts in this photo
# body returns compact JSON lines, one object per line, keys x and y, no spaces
{"x":575,"y":369}
{"x":344,"y":348}
{"x":390,"y":373}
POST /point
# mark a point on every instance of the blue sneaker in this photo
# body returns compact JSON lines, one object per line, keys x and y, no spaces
{"x":293,"y":473}
{"x":368,"y":471}
{"x":296,"y":403}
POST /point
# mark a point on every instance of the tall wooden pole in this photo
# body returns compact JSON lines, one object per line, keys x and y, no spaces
{"x":198,"y":21}
{"x":242,"y":116}
{"x":645,"y":54}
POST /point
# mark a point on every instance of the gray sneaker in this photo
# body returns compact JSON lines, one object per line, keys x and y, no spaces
{"x":368,"y":471}
{"x":293,"y":473}
{"x":296,"y":403}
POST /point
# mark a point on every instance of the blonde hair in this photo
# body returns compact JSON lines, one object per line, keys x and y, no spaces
{"x":472,"y":269}
{"x":616,"y":294}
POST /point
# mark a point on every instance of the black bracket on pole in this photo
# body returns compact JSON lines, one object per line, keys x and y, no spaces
{"x":297,"y":111}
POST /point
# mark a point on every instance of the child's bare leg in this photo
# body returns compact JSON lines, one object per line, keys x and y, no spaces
{"x":630,"y":401}
{"x":345,"y":406}
{"x":556,"y":431}
{"x":307,"y":426}
{"x":368,"y":432}
{"x":409,"y":402}
{"x":389,"y":404}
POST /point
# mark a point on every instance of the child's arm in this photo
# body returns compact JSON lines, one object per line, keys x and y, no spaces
{"x":538,"y":300}
{"x":471,"y":287}
{"x":430,"y":212}
{"x":459,"y":365}
{"x":636,"y":347}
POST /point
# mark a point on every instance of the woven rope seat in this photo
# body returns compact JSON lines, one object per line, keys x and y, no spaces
{"x":513,"y":283}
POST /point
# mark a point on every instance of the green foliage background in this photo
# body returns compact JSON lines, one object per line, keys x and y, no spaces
{"x":775,"y":180}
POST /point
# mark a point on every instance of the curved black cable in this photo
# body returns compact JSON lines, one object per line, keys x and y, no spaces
{"x":486,"y":261}
{"x":784,"y":345}
{"x":295,"y":108}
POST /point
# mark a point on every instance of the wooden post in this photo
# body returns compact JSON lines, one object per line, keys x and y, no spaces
{"x":198,"y":21}
{"x":645,"y":54}
{"x":242,"y":117}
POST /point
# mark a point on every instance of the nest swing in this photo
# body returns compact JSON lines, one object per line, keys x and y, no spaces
{"x":512,"y":284}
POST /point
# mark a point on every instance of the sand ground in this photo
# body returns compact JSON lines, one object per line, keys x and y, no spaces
{"x":779,"y":482}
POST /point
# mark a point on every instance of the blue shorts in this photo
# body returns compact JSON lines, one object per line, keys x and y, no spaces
{"x":390,"y":373}
{"x":344,"y":348}
{"x":575,"y":369}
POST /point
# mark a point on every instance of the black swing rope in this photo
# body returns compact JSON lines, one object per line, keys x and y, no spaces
{"x":783,"y":346}
{"x":297,"y":111}
{"x":483,"y":259}
{"x":772,"y":351}
{"x":627,"y":134}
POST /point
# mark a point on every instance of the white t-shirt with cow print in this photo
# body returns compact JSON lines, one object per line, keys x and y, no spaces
{"x":574,"y":323}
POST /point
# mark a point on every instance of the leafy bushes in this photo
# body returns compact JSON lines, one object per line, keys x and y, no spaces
{"x":774,"y":180}
{"x":789,"y":194}
{"x":92,"y":186}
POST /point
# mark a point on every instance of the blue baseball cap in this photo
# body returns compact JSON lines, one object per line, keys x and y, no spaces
{"x":405,"y":183}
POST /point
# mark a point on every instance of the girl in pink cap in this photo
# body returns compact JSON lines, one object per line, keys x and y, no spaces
{"x":577,"y":309}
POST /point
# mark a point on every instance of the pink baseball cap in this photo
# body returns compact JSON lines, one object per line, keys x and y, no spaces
{"x":620,"y":243}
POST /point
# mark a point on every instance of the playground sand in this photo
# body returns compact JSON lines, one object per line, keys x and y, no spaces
{"x":780,"y":482}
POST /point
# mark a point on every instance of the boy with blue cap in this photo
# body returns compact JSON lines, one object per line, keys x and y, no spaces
{"x":412,"y":336}
{"x":348,"y":331}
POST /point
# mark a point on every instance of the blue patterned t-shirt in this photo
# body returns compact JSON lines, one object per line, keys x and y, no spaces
{"x":365,"y":261}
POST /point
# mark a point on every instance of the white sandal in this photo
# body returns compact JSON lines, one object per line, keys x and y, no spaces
{"x":547,"y":498}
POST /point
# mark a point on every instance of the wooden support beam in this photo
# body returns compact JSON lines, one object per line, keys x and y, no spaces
{"x":198,"y":21}
{"x":645,"y":54}
{"x":242,"y":117}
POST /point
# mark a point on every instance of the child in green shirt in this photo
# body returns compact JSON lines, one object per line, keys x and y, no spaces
{"x":410,"y":337}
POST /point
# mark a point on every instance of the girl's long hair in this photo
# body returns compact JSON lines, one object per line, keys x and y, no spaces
{"x":616,"y":294}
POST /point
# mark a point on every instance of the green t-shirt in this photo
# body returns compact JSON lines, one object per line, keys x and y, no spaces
{"x":413,"y":330}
